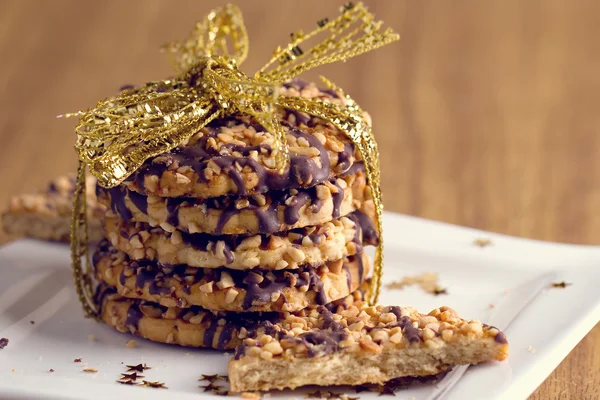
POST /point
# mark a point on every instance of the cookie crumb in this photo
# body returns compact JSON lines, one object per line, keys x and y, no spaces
{"x":250,"y":395}
{"x":427,"y":281}
{"x":437,"y":291}
{"x":561,"y":284}
{"x":131,"y":344}
{"x":482,"y":242}
{"x":530,"y":349}
{"x":3,"y":343}
{"x":91,"y":370}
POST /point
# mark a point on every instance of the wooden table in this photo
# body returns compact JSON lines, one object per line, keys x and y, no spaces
{"x":486,"y":112}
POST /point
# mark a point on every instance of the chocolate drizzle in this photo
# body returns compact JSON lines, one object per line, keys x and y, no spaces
{"x":368,"y":232}
{"x":322,"y":342}
{"x":209,"y":334}
{"x":303,"y":171}
{"x":410,"y":332}
{"x":134,"y":315}
{"x":260,"y":286}
{"x":501,"y":338}
{"x":172,"y":205}
{"x":118,"y":205}
{"x":138,"y":200}
{"x":270,"y":220}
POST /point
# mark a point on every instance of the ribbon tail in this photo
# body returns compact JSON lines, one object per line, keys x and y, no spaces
{"x":349,"y":119}
{"x":79,"y":248}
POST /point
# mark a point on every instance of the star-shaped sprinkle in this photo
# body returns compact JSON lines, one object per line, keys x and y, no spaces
{"x":561,"y":284}
{"x":211,"y":387}
{"x":386,"y":391}
{"x":129,"y":382}
{"x":155,"y":385}
{"x":209,"y":378}
{"x":131,"y":377}
{"x":138,"y":368}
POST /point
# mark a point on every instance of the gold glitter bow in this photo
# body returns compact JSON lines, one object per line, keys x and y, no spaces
{"x":117,"y":136}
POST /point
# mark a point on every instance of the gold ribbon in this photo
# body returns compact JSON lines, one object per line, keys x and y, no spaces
{"x":117,"y":136}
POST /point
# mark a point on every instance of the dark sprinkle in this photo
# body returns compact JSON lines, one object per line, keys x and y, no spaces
{"x":138,"y":368}
{"x":561,"y":284}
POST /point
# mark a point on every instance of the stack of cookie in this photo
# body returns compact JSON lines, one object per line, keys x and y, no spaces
{"x":202,"y":238}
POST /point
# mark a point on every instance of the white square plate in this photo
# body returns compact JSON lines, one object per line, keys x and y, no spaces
{"x":513,"y":275}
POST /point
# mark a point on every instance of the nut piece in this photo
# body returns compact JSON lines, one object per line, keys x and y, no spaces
{"x":231,"y":295}
{"x":295,"y":254}
{"x":226,"y":281}
{"x":207,"y":287}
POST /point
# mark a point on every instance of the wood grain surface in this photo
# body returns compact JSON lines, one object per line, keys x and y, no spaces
{"x":486,"y":112}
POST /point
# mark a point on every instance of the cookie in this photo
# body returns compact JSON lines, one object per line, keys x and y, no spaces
{"x":235,"y":155}
{"x":314,"y":245}
{"x":46,"y":214}
{"x":383,"y":343}
{"x":194,"y":326}
{"x":270,"y":212}
{"x":224,"y":289}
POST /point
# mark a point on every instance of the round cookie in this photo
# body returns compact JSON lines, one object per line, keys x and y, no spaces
{"x":314,"y":245}
{"x":235,"y":155}
{"x":229,"y":290}
{"x":273,"y":211}
{"x":194,"y":326}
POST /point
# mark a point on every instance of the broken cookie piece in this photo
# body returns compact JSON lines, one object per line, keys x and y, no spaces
{"x":46,"y":214}
{"x":383,"y":343}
